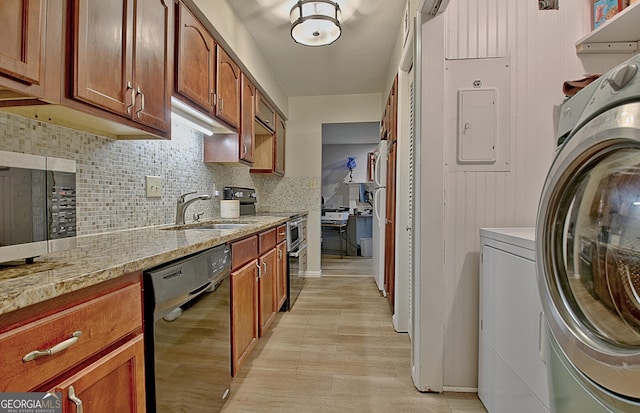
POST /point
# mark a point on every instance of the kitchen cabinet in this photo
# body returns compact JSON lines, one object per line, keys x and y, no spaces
{"x":195,"y":60}
{"x":254,"y":264}
{"x":126,"y":71}
{"x":270,"y":149}
{"x":233,"y":148}
{"x":31,"y":51}
{"x":114,"y":383}
{"x":228,"y":89}
{"x":265,"y":113}
{"x":105,"y":66}
{"x":247,"y":129}
{"x":267,"y":278}
{"x":512,"y":375}
{"x":244,"y":312}
{"x":22,"y":21}
{"x":97,"y":333}
{"x":267,"y":290}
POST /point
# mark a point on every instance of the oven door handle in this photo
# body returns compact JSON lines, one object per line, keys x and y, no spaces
{"x":296,"y":253}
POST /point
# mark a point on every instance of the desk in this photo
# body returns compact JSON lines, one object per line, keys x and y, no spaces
{"x":341,"y":229}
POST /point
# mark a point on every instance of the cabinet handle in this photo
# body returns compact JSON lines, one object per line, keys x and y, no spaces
{"x":282,"y":234}
{"x":75,"y":399}
{"x":213,"y":98}
{"x":55,"y":349}
{"x":221,"y":101}
{"x":139,"y":111}
{"x":244,"y":149}
{"x":259,"y":270}
{"x":280,"y":254}
{"x":264,"y":264}
{"x":133,"y":96}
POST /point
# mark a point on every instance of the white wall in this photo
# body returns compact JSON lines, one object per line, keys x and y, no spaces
{"x":455,"y":204}
{"x":304,"y":139}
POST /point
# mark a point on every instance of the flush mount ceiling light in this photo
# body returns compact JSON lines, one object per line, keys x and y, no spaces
{"x":315,"y":22}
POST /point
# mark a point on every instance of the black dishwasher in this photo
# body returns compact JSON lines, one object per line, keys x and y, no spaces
{"x":187,"y":333}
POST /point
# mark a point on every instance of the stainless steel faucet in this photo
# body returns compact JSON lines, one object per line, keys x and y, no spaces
{"x":181,"y":206}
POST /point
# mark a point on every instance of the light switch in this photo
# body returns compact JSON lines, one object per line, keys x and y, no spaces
{"x":154,"y":186}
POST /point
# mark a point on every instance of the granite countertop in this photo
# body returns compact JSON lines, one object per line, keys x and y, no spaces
{"x":102,"y":257}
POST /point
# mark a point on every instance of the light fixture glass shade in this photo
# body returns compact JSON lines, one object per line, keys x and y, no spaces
{"x":315,"y":22}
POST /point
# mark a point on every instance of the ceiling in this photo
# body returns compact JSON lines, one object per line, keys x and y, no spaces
{"x":356,"y":63}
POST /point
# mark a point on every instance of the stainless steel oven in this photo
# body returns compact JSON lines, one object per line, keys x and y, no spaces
{"x":297,"y":258}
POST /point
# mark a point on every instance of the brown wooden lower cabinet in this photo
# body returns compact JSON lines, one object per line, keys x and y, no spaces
{"x":244,"y":313}
{"x":96,"y":342}
{"x":256,"y":291}
{"x":267,"y":282}
{"x":114,"y":383}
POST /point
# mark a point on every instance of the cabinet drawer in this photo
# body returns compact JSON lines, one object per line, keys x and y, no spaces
{"x":267,"y":240}
{"x":281,"y":233}
{"x":101,"y":322}
{"x":244,"y":251}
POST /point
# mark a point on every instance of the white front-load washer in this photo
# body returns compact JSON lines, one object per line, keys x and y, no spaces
{"x":588,"y":249}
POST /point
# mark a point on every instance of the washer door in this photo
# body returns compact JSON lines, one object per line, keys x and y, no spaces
{"x":588,"y":250}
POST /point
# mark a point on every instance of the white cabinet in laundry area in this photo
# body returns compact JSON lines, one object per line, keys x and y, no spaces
{"x":511,"y":370}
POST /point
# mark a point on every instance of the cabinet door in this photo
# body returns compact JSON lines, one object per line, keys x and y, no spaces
{"x":244,"y":313}
{"x":152,"y":64}
{"x":103,"y":74}
{"x":268,"y":278}
{"x":228,"y":87}
{"x":247,"y":131}
{"x":22,"y":30}
{"x":195,"y":60}
{"x":281,"y":280}
{"x":278,"y":166}
{"x":264,"y":112}
{"x":114,"y":383}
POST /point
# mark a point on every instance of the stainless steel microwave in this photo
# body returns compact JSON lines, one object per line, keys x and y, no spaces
{"x":37,"y":205}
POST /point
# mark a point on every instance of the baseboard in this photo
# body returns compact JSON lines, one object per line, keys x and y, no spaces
{"x":454,"y":389}
{"x":313,"y":274}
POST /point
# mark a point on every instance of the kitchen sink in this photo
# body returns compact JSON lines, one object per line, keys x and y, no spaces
{"x":209,"y":226}
{"x":219,"y":226}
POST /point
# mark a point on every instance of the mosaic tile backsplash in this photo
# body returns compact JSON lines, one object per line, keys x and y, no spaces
{"x":111,"y":175}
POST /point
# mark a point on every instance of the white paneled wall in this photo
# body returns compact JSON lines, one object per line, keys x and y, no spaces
{"x":478,"y":28}
{"x":541,"y":47}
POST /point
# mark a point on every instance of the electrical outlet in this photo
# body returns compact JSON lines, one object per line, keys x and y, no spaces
{"x":154,"y":186}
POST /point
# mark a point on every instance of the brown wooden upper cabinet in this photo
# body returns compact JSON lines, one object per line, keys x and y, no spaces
{"x":30,"y":51}
{"x":228,"y":89}
{"x":124,"y":72}
{"x":247,"y":129}
{"x":269,"y":151}
{"x":278,"y":166}
{"x":195,"y":60}
{"x":104,"y":66}
{"x":265,"y":113}
{"x":23,"y":22}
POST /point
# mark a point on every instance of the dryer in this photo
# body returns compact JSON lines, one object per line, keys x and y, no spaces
{"x":588,"y":249}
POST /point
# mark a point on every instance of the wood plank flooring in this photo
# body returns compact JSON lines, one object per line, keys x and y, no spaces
{"x":336,"y":351}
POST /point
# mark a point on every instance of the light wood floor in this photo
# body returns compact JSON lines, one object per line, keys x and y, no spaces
{"x":333,"y":265}
{"x":336,"y":351}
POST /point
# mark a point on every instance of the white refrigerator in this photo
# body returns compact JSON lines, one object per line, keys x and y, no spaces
{"x":379,"y":213}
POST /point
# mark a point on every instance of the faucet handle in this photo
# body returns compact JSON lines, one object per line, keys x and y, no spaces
{"x":196,"y":217}
{"x":181,"y":197}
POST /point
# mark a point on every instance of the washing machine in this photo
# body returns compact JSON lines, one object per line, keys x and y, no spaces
{"x":588,"y":249}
